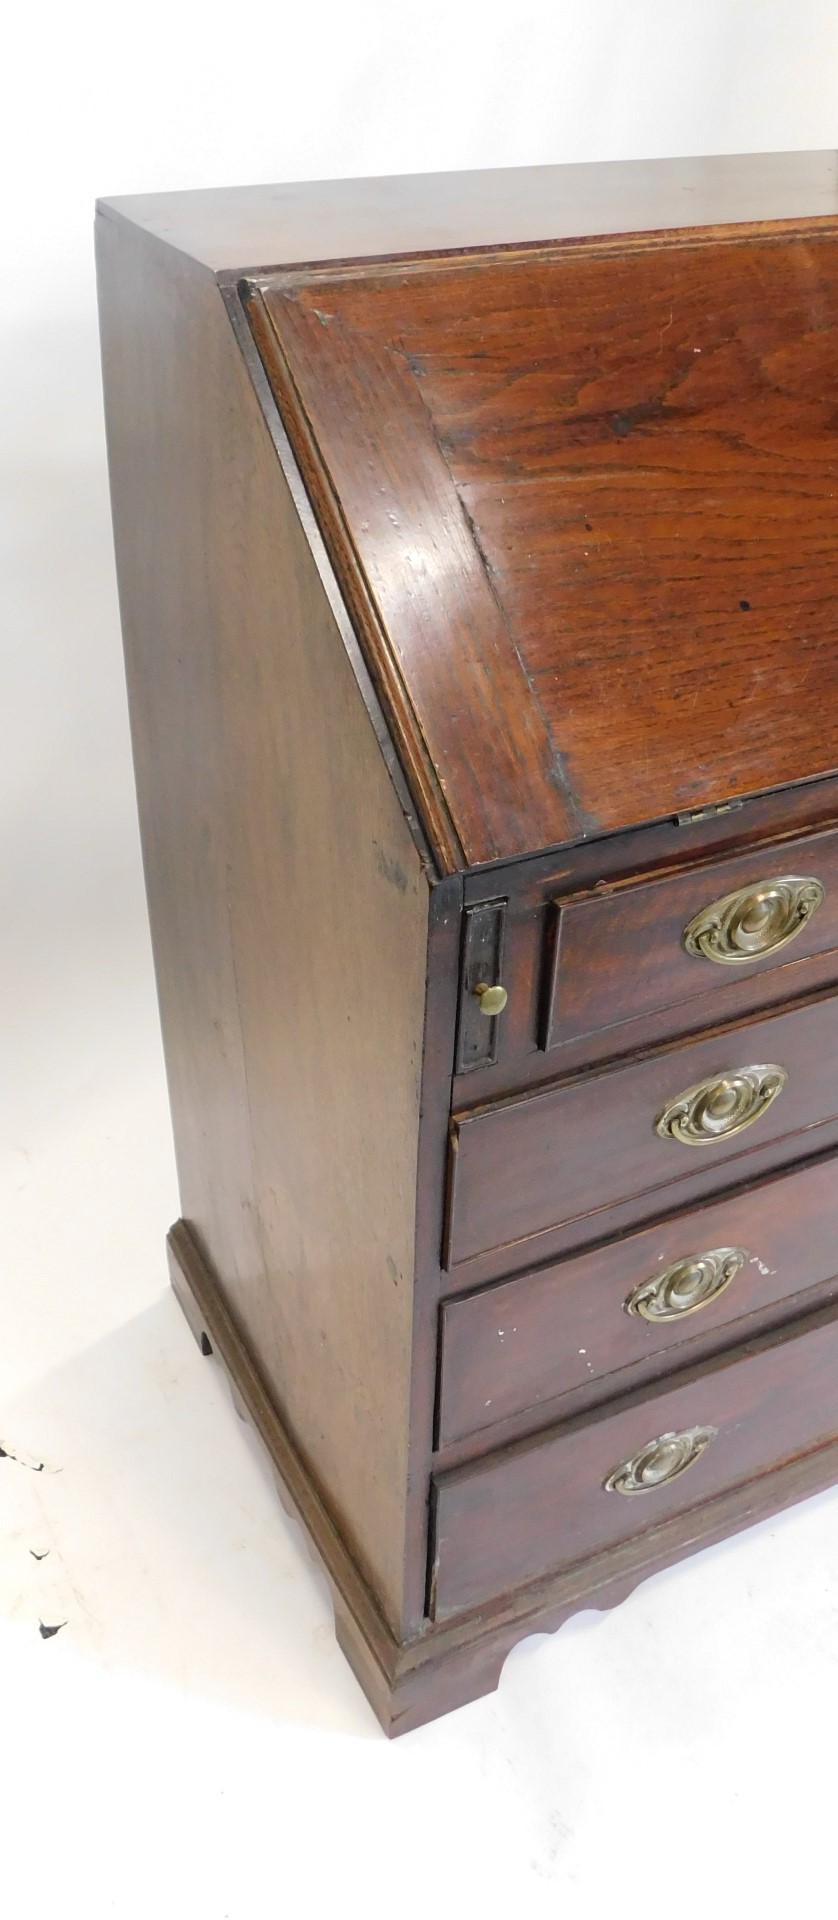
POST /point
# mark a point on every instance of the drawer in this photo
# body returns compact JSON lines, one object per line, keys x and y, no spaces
{"x":601,"y":1480}
{"x":635,"y":947}
{"x":567,"y":1152}
{"x":514,"y":1346}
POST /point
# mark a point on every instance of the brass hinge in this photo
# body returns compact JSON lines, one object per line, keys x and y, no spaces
{"x":708,"y":813}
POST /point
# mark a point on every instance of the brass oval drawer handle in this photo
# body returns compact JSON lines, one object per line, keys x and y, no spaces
{"x":660,"y":1461}
{"x":688,"y":1285}
{"x":715,"y":1109}
{"x":755,"y":921}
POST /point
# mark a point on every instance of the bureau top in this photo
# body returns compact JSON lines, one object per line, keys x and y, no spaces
{"x":571,"y":436}
{"x":239,"y":229}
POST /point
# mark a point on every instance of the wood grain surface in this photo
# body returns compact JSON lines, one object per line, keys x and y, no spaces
{"x":230,"y":229}
{"x":572,"y":1151}
{"x":759,"y":831}
{"x":618,"y":952}
{"x":527,"y":1341}
{"x":288,"y":903}
{"x":619,"y":462}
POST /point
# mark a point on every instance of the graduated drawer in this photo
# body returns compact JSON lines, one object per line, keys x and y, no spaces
{"x":523,"y":1342}
{"x":631,"y":948}
{"x":525,"y":1165}
{"x":542,"y":1506}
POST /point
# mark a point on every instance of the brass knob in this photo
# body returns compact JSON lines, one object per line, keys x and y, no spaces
{"x":492,"y":999}
{"x":688,"y":1285}
{"x":660,"y":1461}
{"x":715,"y":1109}
{"x":755,"y":921}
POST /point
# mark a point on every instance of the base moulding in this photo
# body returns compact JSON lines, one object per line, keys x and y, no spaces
{"x":409,"y":1683}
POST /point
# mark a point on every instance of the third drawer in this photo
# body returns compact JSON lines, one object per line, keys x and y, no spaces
{"x":522,"y":1343}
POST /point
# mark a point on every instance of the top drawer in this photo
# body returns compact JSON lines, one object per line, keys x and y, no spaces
{"x":637,"y":947}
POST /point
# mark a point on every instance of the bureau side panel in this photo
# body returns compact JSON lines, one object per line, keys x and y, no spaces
{"x":287,"y":899}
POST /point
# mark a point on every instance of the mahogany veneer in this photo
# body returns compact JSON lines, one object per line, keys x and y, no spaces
{"x":513,"y":1517}
{"x":617,"y":953}
{"x":574,"y":1150}
{"x":476,"y":550}
{"x":521,"y":1345}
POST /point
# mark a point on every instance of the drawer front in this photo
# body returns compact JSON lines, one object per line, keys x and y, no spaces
{"x":639,"y":947}
{"x":516,"y":1345}
{"x":524,"y":1166}
{"x":600,"y":1481}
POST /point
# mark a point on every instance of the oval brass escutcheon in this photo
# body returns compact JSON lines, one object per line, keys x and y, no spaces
{"x":660,"y":1461}
{"x":754,"y":921}
{"x":688,"y":1285}
{"x":716,"y":1108}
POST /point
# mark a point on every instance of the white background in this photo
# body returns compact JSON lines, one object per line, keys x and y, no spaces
{"x":191,"y":1742}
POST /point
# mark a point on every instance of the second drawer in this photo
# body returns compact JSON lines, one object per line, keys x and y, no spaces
{"x":527,"y":1165}
{"x":524,"y":1342}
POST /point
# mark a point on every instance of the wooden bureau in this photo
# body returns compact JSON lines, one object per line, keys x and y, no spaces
{"x":477,"y":558}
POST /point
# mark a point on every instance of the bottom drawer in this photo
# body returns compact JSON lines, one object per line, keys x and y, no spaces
{"x":602,"y":1479}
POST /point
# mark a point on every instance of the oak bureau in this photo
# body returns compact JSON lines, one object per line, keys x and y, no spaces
{"x":477,"y":544}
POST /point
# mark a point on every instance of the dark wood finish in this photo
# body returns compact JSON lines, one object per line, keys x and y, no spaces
{"x":544,"y":1505}
{"x":525,"y":1342}
{"x":451,"y":682}
{"x":433,"y":571}
{"x":219,"y":1333}
{"x":668,"y":851}
{"x":596,"y":455}
{"x":572,"y":1236}
{"x":288,"y":903}
{"x":231,"y":228}
{"x":452,"y":1662}
{"x":482,"y":965}
{"x":444,"y":929}
{"x":618,"y":951}
{"x":574,"y":1150}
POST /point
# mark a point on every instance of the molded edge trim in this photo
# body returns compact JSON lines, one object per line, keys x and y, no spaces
{"x":237,"y":313}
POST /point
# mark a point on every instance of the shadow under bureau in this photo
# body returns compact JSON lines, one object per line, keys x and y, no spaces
{"x":477,"y":558}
